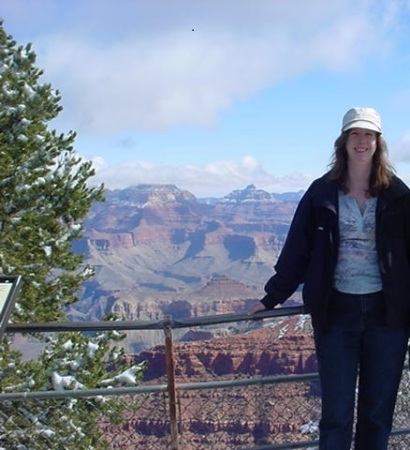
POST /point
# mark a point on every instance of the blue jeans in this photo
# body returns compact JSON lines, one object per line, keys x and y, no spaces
{"x":358,"y":346}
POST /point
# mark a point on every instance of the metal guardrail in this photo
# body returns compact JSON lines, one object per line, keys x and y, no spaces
{"x":167,"y":322}
{"x":177,"y":409}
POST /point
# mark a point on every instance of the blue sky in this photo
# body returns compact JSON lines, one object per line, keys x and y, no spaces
{"x":218,"y":94}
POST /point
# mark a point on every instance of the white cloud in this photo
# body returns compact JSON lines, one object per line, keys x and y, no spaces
{"x":139,"y":66}
{"x":215,"y":179}
{"x":150,"y":65}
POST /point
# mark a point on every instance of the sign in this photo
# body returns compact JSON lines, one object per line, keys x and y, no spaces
{"x":9,"y":288}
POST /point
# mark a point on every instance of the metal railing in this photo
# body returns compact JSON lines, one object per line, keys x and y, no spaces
{"x":245,"y":413}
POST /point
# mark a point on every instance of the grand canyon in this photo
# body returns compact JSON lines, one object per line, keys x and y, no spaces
{"x":158,"y":251}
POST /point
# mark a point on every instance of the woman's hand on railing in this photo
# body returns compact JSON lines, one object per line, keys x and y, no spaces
{"x":259,"y":307}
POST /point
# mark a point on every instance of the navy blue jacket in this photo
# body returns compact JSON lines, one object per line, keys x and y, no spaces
{"x":310,"y":252}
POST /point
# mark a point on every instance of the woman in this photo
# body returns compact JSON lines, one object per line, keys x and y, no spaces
{"x":349,"y":244}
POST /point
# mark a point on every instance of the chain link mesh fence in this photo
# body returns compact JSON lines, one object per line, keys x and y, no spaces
{"x":238,"y":411}
{"x":231,"y":414}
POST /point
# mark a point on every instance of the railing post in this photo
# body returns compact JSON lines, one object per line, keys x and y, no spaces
{"x":171,"y":383}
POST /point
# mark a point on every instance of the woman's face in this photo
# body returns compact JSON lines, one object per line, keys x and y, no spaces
{"x":361,"y":145}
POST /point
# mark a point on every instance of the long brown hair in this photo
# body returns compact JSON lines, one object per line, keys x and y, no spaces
{"x":380,"y":175}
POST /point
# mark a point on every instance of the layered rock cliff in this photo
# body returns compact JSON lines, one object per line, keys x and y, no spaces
{"x":242,"y":416}
{"x":282,"y":346}
{"x":153,"y":246}
{"x":158,"y":251}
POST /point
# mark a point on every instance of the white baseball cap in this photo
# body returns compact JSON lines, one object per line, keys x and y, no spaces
{"x":362,"y":117}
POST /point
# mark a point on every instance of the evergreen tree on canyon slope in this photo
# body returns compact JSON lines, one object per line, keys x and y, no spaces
{"x":44,"y":191}
{"x":44,"y":198}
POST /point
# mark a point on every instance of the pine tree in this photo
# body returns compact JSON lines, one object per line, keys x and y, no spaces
{"x":45,"y":195}
{"x":44,"y":190}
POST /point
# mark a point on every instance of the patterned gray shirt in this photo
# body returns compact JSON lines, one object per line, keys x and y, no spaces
{"x":357,"y":269}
